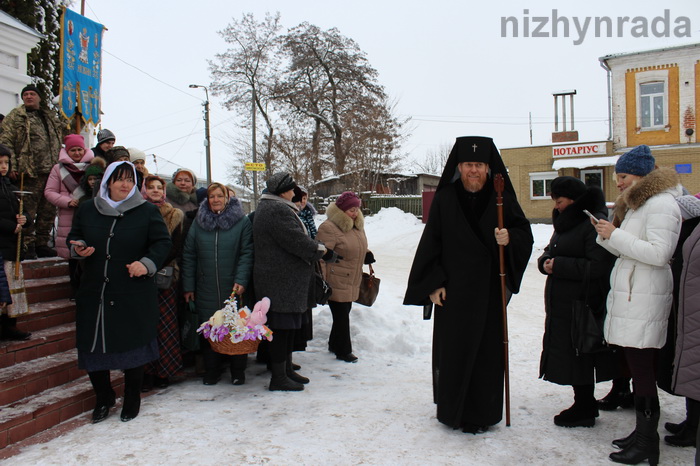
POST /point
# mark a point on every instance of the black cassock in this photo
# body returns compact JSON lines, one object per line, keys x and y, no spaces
{"x":458,"y":250}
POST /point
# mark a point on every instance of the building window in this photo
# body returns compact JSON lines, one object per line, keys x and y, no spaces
{"x":541,"y":184}
{"x":592,"y":177}
{"x":651,"y":96}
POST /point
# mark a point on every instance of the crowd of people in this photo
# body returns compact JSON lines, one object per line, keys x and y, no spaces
{"x":141,"y":250}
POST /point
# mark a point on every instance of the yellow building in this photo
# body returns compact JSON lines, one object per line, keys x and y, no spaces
{"x":655,"y":96}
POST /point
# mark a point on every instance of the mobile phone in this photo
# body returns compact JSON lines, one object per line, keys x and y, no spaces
{"x":590,"y":215}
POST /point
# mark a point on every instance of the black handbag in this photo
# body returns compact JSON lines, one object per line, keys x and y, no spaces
{"x":322,"y":290}
{"x":165,"y":277}
{"x":587,"y":323}
{"x":190,"y":337}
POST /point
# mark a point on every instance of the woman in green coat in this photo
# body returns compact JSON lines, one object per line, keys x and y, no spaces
{"x":122,"y":241}
{"x":217,"y":262}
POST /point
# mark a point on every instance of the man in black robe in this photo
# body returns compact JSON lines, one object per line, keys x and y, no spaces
{"x":456,"y":268}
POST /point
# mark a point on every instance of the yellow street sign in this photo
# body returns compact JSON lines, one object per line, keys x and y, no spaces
{"x":255,"y":167}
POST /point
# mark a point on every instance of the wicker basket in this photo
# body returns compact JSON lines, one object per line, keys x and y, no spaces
{"x":228,"y":347}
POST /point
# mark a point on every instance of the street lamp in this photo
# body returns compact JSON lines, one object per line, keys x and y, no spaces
{"x":207,"y":140}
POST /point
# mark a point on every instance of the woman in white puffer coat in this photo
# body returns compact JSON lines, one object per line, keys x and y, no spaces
{"x":643,"y":236}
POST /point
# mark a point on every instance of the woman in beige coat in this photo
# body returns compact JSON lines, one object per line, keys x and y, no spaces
{"x":344,"y":233}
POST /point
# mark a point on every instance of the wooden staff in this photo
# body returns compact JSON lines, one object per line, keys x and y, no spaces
{"x":498,"y":185}
{"x":19,"y":234}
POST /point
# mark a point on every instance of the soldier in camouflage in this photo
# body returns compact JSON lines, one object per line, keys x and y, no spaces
{"x":34,"y":135}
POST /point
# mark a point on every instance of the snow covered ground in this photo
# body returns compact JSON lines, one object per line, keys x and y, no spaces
{"x":378,"y":411}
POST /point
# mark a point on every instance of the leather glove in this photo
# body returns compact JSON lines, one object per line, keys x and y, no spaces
{"x":369,"y":258}
{"x":331,"y":256}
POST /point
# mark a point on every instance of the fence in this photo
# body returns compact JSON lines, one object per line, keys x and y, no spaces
{"x":410,"y":204}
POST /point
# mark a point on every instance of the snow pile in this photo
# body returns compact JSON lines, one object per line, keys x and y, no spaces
{"x":378,"y":411}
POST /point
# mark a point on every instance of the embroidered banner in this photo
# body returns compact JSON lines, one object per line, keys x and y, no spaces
{"x":81,"y":66}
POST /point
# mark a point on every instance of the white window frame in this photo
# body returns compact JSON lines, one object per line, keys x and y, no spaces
{"x":583,"y":173}
{"x":544,"y":176}
{"x":650,"y":77}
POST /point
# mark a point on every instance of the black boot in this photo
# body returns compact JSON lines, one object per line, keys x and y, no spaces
{"x":239,"y":363}
{"x":584,"y":410}
{"x":105,"y":397}
{"x":212,"y":366}
{"x":625,"y":442}
{"x":686,"y":436}
{"x":147,"y":384}
{"x":132,"y":393}
{"x":291,"y":373}
{"x":9,"y":330}
{"x":646,"y":439}
{"x":619,"y":395}
{"x":280,"y":381}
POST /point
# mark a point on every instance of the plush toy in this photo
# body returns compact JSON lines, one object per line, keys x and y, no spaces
{"x":259,"y":317}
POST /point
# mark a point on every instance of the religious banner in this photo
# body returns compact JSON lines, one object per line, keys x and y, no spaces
{"x":81,"y":66}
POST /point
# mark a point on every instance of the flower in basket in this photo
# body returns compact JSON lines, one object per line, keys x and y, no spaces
{"x":238,"y":324}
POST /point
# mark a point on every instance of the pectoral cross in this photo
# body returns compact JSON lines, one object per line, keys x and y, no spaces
{"x":474,"y":147}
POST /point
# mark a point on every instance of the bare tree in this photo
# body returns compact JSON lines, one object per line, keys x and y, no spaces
{"x":246,"y":71}
{"x":328,"y":73}
{"x":434,"y":160}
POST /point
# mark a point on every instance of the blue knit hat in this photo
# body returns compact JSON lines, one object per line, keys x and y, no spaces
{"x":638,"y":161}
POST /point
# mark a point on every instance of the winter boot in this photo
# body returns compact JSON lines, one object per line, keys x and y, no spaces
{"x":625,"y":442}
{"x":212,"y":366}
{"x":291,"y":373}
{"x":132,"y":393}
{"x":280,"y":381}
{"x":686,"y":436}
{"x":105,"y":397}
{"x":646,"y":439}
{"x":238,"y":366}
{"x":9,"y":330}
{"x":619,"y":395}
{"x":583,"y":412}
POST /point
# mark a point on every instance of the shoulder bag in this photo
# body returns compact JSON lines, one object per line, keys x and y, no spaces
{"x":321,"y":289}
{"x":369,"y":288}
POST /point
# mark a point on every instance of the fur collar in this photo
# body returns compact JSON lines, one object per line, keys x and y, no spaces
{"x":209,"y":221}
{"x":179,"y":197}
{"x":341,"y":219}
{"x":593,"y":200}
{"x":656,"y":182}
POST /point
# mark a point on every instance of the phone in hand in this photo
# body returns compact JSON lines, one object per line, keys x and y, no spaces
{"x":590,"y":215}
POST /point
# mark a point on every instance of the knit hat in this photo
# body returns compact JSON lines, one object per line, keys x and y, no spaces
{"x":136,"y":154}
{"x":186,"y":170}
{"x":74,"y":140}
{"x":30,"y":87}
{"x":105,"y":135}
{"x":347,"y":201}
{"x":113,"y":154}
{"x":280,"y":183}
{"x":4,"y":150}
{"x":299,"y":192}
{"x":94,"y":170}
{"x":637,"y":161}
{"x":567,"y":186}
{"x":690,"y":206}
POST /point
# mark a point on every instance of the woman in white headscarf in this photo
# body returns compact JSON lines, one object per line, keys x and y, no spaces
{"x":123,"y":241}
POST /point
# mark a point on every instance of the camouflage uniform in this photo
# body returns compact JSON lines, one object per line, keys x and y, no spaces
{"x":34,"y":137}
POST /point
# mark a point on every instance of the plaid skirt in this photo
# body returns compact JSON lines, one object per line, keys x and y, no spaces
{"x":169,"y":362}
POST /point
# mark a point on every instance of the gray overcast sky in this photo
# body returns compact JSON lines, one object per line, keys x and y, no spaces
{"x":444,"y":61}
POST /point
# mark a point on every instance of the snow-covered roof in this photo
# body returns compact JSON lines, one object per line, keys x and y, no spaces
{"x":13,"y":22}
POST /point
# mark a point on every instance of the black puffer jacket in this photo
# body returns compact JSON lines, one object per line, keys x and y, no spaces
{"x":9,"y":207}
{"x":573,"y":247}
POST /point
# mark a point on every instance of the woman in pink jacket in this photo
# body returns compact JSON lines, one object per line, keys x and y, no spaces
{"x":63,"y":190}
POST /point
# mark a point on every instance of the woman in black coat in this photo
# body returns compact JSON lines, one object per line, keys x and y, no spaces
{"x":571,"y":254}
{"x":124,"y":242}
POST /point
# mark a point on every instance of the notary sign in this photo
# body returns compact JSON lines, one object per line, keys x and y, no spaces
{"x":575,"y":150}
{"x":255,"y":167}
{"x":81,"y":63}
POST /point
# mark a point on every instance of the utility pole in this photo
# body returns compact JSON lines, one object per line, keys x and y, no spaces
{"x":207,"y":140}
{"x":255,"y":155}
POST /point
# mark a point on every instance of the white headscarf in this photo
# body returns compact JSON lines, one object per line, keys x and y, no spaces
{"x":104,"y":186}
